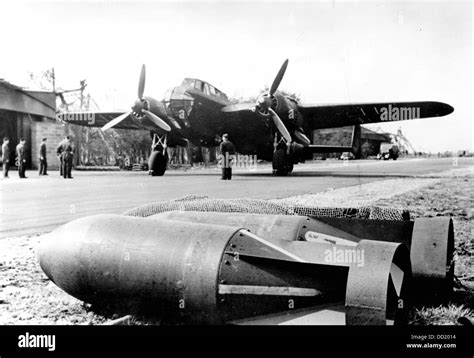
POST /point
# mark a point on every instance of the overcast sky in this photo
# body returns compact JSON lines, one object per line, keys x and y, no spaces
{"x":338,"y":51}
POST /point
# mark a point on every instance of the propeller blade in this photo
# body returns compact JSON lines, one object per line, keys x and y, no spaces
{"x":157,"y":120}
{"x":245,"y":106}
{"x":141,"y":82}
{"x":278,"y":78}
{"x":280,"y":126}
{"x":116,"y":121}
{"x":173,"y":122}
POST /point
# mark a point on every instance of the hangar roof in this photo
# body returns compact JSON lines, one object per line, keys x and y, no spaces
{"x":17,"y":99}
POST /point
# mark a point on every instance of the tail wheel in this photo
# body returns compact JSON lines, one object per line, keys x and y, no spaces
{"x":157,"y":163}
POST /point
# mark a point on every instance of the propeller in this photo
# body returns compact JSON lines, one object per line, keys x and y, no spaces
{"x":280,"y":125}
{"x":264,"y":104}
{"x":116,"y":120}
{"x":278,"y":78}
{"x":157,"y":120}
{"x":141,"y":82}
{"x":140,"y":107}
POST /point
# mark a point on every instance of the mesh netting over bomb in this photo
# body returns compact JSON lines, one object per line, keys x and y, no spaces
{"x":255,"y":206}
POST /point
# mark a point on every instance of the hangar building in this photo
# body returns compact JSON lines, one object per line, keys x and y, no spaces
{"x":370,"y":140}
{"x":32,"y":115}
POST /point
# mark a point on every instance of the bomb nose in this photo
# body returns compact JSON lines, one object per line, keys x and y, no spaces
{"x":64,"y":255}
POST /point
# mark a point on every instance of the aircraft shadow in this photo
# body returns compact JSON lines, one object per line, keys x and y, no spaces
{"x":296,"y":174}
{"x":329,"y":174}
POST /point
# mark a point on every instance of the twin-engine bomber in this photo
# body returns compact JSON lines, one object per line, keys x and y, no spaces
{"x":276,"y":128}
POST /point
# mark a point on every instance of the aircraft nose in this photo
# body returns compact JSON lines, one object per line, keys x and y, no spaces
{"x":265,"y":101}
{"x":138,"y":106}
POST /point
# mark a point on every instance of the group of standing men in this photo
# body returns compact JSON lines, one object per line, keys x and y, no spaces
{"x":64,"y":151}
{"x":20,"y":157}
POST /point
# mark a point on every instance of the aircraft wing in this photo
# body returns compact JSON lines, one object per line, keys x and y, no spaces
{"x":96,"y":119}
{"x":340,"y":115}
{"x":327,"y":148}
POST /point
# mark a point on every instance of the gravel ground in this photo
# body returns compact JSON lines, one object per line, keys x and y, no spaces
{"x":360,"y":195}
{"x":26,"y":294}
{"x":28,"y":297}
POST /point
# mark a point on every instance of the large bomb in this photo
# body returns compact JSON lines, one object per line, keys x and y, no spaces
{"x":193,"y":271}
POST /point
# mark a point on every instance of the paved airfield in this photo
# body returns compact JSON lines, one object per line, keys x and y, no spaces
{"x":40,"y":204}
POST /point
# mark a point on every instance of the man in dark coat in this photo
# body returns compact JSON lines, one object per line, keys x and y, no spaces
{"x":43,"y":164}
{"x":21,"y":158}
{"x":227,"y":150}
{"x":5,"y":157}
{"x":67,"y":155}
{"x":59,"y":154}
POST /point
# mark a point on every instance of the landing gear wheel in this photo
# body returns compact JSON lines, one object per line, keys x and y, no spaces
{"x":157,"y":163}
{"x":281,"y":162}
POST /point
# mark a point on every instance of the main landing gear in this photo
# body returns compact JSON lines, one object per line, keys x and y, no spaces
{"x":282,"y":158}
{"x":158,"y":160}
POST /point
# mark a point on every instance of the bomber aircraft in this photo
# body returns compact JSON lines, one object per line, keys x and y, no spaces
{"x":276,"y":128}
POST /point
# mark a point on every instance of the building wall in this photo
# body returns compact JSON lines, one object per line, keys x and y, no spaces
{"x":54,"y":132}
{"x":29,"y":114}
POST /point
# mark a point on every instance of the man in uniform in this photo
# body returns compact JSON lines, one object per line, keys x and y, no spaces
{"x":67,"y":155}
{"x":59,"y":154}
{"x":227,"y":150}
{"x":21,"y":158}
{"x":43,"y":164}
{"x":5,"y":157}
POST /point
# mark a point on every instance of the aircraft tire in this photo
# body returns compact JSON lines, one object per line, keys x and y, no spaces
{"x":281,"y":165}
{"x":157,"y":163}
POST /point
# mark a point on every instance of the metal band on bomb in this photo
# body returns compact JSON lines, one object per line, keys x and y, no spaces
{"x":431,"y":253}
{"x":377,"y":292}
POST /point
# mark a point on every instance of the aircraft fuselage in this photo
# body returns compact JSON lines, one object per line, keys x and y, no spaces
{"x":202,"y":122}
